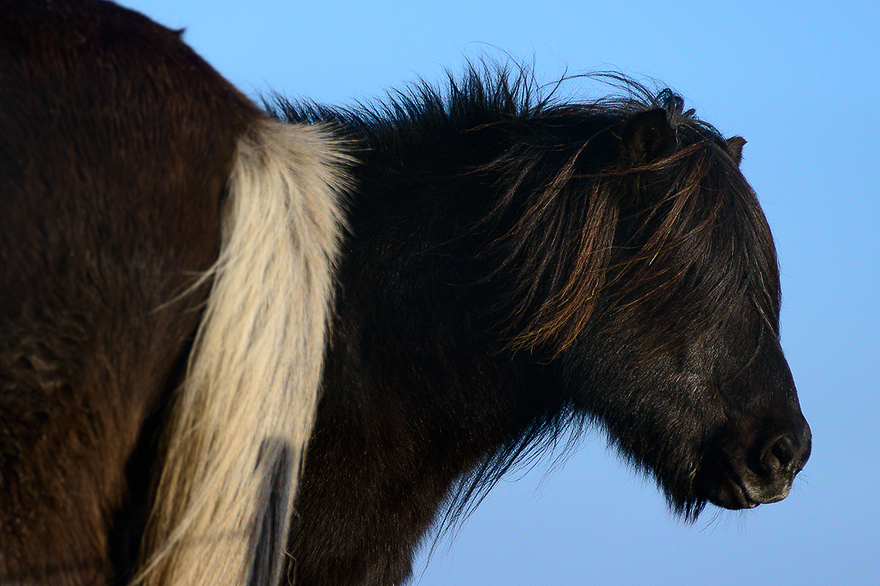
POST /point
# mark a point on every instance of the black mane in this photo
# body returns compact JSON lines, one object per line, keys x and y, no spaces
{"x":542,"y":154}
{"x":487,"y":94}
{"x":552,"y":148}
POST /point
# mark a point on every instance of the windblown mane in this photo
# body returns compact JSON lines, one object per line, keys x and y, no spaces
{"x":649,"y":224}
{"x":546,"y":165}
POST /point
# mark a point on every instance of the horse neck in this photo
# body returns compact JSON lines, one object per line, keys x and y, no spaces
{"x":418,"y":390}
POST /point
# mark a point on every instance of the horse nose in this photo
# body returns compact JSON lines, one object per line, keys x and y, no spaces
{"x":763,"y":474}
{"x":784,"y":454}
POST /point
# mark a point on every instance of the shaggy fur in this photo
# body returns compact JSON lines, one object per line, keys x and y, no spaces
{"x":518,"y":267}
{"x":240,"y":427}
{"x":150,"y":358}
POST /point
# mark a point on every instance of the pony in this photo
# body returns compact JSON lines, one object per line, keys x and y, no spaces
{"x":519,"y":267}
{"x":241,"y":347}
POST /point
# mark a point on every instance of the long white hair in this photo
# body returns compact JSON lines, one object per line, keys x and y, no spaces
{"x":244,"y":415}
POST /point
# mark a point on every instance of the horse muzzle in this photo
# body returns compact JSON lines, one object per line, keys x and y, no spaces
{"x":762,"y":474}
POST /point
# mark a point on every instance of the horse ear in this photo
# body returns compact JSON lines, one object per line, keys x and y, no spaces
{"x":647,"y":136}
{"x":735,"y":148}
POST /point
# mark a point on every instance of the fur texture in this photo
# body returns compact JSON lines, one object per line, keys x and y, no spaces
{"x":157,"y":316}
{"x":520,"y":267}
{"x":116,"y":142}
{"x":244,"y":415}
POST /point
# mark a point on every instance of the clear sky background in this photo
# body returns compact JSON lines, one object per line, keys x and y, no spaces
{"x":801,"y":82}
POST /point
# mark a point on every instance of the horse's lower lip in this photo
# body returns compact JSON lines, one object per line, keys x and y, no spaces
{"x":729,"y":493}
{"x":737,"y":494}
{"x":741,"y":494}
{"x":731,"y":490}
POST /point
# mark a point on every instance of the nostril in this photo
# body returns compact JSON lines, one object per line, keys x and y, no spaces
{"x":779,"y":453}
{"x":784,"y":450}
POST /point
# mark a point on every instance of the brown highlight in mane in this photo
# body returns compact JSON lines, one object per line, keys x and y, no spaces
{"x":591,"y":215}
{"x":637,"y":249}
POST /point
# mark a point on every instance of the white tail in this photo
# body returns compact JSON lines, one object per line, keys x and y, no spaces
{"x":244,"y":415}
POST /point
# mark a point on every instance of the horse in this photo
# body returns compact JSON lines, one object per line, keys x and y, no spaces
{"x":275,"y":347}
{"x":518,"y":268}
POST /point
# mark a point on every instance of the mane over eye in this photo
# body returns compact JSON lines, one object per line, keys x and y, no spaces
{"x":658,"y":229}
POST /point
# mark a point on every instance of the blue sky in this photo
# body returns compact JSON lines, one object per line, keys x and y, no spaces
{"x":801,"y":82}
